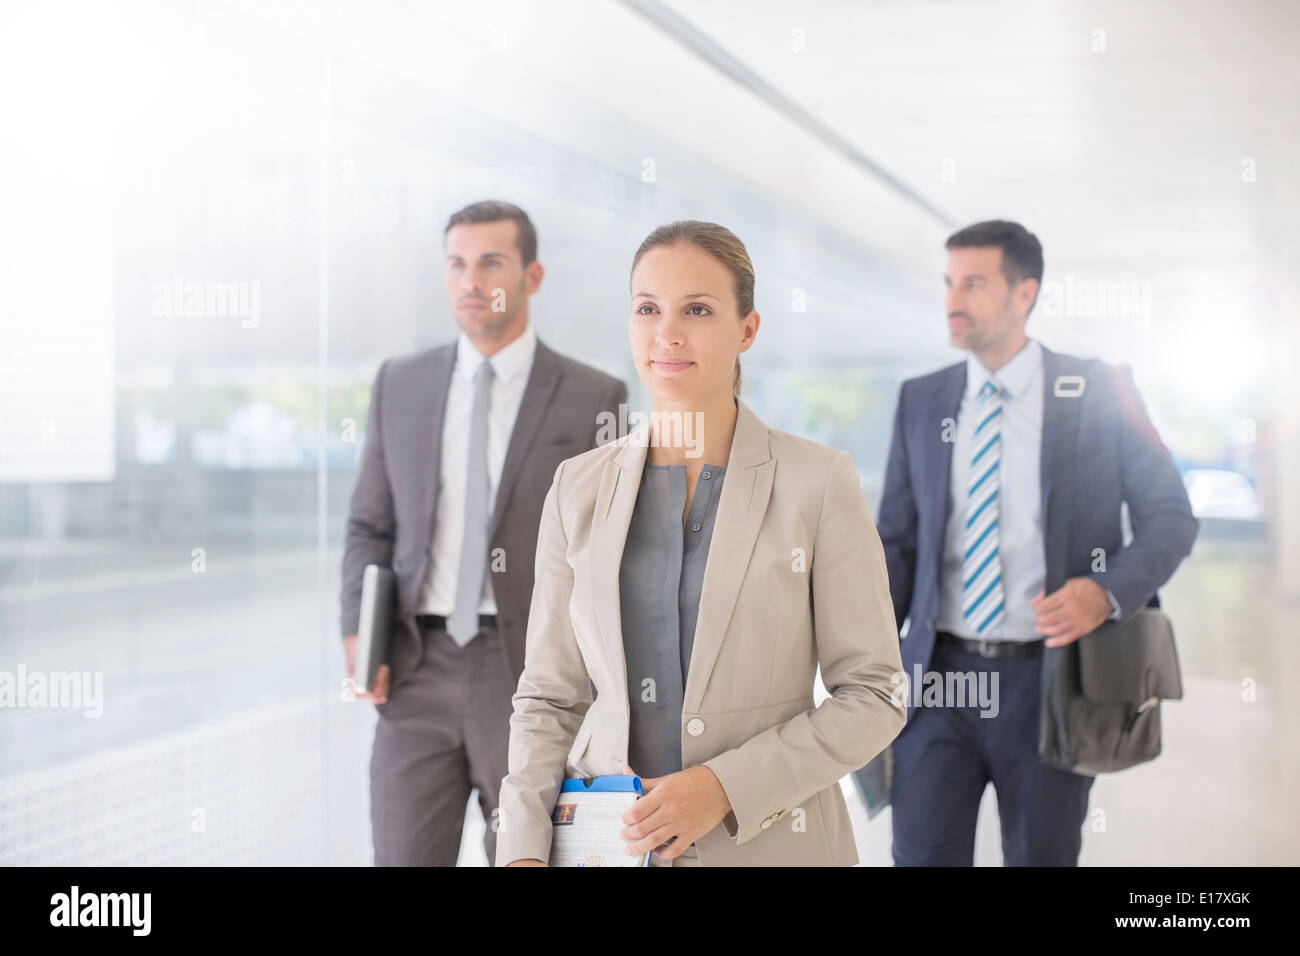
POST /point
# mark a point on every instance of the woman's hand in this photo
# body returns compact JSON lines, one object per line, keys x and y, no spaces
{"x":685,"y":805}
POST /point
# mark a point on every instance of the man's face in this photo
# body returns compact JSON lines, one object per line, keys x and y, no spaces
{"x":487,"y":283}
{"x":982,"y":309}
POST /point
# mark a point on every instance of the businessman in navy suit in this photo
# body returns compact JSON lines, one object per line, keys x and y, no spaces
{"x":1006,"y":472}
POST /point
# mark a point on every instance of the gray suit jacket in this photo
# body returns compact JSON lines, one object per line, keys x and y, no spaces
{"x":395,"y":498}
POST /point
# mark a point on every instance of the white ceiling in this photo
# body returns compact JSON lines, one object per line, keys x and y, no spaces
{"x":1117,"y":131}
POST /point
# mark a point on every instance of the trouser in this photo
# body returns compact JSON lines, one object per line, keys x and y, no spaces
{"x":946,"y":756}
{"x":444,"y":731}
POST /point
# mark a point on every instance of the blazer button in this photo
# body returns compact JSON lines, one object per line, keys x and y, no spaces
{"x":695,"y":726}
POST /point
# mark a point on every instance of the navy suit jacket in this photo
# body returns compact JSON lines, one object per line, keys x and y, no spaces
{"x":1098,"y":449}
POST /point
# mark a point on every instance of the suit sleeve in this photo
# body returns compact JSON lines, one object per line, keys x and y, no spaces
{"x":1164,"y":528}
{"x":372,"y":521}
{"x":552,"y":697}
{"x":897,"y":520}
{"x":857,"y":648}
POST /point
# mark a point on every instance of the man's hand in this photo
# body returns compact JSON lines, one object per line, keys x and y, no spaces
{"x":1077,"y":608}
{"x":380,"y":694}
{"x":685,"y":805}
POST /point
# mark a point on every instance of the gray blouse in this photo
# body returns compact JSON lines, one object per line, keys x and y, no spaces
{"x":660,"y":581}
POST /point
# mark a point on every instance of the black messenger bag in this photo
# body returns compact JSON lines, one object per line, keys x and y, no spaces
{"x":1099,"y":697}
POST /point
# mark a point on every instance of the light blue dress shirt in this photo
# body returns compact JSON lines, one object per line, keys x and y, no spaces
{"x":1020,"y":518}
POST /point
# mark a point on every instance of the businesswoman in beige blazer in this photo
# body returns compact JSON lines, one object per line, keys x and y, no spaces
{"x":688,"y":585}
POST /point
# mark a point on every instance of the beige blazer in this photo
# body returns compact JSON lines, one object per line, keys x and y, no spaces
{"x":792,"y":537}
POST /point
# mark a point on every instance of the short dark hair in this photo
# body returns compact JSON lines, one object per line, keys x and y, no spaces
{"x":495,"y":210}
{"x":1022,"y":253}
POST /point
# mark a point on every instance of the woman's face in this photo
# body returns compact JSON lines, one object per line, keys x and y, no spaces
{"x":685,"y":330}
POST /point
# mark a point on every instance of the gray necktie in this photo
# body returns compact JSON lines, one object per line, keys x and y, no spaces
{"x":463,"y":625}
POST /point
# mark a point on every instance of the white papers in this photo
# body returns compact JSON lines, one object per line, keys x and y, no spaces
{"x":586,"y":827}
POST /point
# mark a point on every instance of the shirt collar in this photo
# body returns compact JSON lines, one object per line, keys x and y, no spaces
{"x":1015,"y":376}
{"x":507,"y":365}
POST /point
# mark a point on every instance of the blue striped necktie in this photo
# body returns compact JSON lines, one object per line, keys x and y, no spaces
{"x":982,"y":602}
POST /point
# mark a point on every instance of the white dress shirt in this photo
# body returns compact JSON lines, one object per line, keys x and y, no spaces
{"x":510,"y":367}
{"x":1020,"y":519}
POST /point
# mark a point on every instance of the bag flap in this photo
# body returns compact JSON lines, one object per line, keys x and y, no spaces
{"x":1130,"y":661}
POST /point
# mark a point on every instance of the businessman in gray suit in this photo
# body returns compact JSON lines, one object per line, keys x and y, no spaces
{"x":461,"y":444}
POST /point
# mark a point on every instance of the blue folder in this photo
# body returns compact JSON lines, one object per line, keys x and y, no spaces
{"x":622,"y":784}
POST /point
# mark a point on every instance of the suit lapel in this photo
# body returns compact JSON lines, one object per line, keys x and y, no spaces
{"x":938,"y":462}
{"x":746,"y":490}
{"x":542,"y":380}
{"x":428,"y":440}
{"x":1062,"y":402}
{"x":620,"y":481}
{"x":1051,"y":430}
